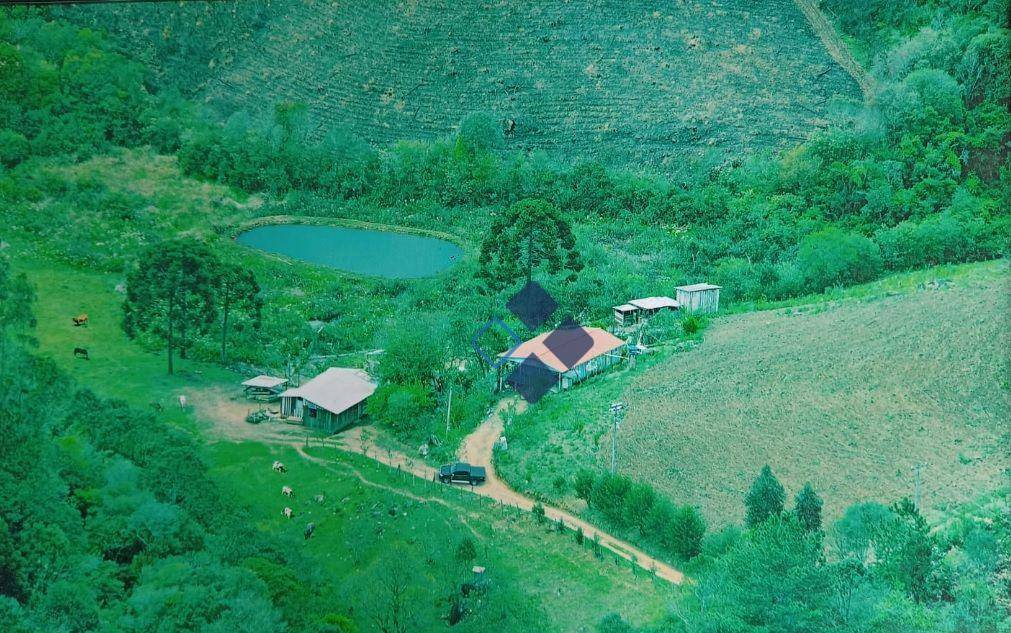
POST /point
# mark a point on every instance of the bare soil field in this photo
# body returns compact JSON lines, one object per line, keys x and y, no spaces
{"x":850,"y":397}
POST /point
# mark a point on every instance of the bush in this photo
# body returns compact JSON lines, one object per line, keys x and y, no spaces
{"x":686,"y":532}
{"x":832,"y":257}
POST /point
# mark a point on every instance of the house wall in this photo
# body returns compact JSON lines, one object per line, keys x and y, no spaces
{"x":323,"y":420}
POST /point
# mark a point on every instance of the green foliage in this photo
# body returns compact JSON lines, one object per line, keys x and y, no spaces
{"x":530,"y":234}
{"x":400,"y":407}
{"x":807,"y":506}
{"x":466,"y":551}
{"x":538,"y":512}
{"x":480,"y":132}
{"x":170,"y":294}
{"x":650,"y":518}
{"x":765,"y":498}
{"x":832,"y":257}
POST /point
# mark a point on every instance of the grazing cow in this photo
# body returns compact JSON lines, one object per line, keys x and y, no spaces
{"x":510,"y":126}
{"x":286,"y":491}
{"x":278,"y":467}
{"x":287,"y":512}
{"x":309,"y":529}
{"x":319,"y":499}
{"x":80,"y":352}
{"x":157,"y":406}
{"x":80,"y":319}
{"x":182,"y":402}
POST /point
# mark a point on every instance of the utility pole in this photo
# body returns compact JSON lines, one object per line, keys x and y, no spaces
{"x":916,"y":488}
{"x":449,"y":408}
{"x":616,"y":409}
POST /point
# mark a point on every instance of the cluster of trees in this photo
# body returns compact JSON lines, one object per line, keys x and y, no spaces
{"x":636,"y":508}
{"x":878,"y":568}
{"x":111,"y":522}
{"x":179,"y":288}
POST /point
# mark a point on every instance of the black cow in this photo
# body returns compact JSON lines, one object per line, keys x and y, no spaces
{"x":309,"y":529}
{"x":80,"y":352}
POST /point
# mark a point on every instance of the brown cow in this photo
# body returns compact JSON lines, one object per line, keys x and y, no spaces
{"x":80,"y":319}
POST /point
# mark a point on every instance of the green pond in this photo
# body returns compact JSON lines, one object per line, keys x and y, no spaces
{"x":361,"y":251}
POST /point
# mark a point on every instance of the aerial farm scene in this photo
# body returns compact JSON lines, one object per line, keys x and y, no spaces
{"x":590,"y":316}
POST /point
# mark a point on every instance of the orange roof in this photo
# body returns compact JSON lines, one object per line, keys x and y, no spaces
{"x":603,"y":342}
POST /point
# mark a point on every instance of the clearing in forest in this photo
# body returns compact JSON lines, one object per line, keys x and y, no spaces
{"x":615,"y":81}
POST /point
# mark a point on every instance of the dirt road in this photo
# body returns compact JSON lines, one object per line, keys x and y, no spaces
{"x":228,"y":415}
{"x":478,"y":447}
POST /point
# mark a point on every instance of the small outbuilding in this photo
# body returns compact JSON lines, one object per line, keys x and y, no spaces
{"x":589,"y":351}
{"x":329,"y":402}
{"x":263,"y":387}
{"x":638,"y":310}
{"x":699,"y":298}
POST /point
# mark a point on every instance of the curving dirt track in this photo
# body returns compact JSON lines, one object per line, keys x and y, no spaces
{"x":477,"y":448}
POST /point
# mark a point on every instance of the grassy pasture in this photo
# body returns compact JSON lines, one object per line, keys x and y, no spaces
{"x":609,"y":80}
{"x":355,"y":530}
{"x":849,"y":395}
{"x":370,"y":511}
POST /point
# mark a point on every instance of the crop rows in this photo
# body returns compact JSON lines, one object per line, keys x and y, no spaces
{"x":607,"y":80}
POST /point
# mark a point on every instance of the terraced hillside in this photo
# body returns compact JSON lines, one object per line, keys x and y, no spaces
{"x":609,"y":80}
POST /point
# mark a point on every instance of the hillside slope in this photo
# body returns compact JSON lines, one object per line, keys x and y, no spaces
{"x":605,"y":80}
{"x":849,"y":397}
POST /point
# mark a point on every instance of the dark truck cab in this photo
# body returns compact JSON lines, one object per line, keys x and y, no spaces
{"x":461,"y":472}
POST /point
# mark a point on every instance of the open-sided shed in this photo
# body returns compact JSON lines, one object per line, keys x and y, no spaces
{"x":638,"y":309}
{"x":263,"y":386}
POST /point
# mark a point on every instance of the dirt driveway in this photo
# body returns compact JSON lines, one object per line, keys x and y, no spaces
{"x":228,"y":413}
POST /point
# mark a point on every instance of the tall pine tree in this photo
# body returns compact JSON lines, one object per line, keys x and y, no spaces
{"x":765,"y":498}
{"x":807,"y":506}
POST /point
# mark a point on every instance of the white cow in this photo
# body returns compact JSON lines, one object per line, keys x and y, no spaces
{"x":286,"y":491}
{"x":319,"y":499}
{"x":182,"y":402}
{"x":278,"y":467}
{"x":287,"y":512}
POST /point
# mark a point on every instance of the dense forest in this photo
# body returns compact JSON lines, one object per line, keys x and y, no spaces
{"x":109,"y":520}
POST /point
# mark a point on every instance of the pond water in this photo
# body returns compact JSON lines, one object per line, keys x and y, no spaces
{"x":362,"y":251}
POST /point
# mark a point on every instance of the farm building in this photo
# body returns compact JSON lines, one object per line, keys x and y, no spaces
{"x":263,"y":387}
{"x":701,"y":298}
{"x":638,"y":309}
{"x":330,"y":401}
{"x":602,"y":350}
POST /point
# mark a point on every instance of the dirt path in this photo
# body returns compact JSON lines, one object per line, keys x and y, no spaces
{"x":835,"y":45}
{"x":229,"y":414}
{"x":478,"y":447}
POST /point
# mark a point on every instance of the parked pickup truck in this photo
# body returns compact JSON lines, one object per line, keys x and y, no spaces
{"x":461,"y":472}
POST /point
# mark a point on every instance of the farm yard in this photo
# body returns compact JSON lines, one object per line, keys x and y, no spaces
{"x":410,"y":316}
{"x":610,"y":81}
{"x":847,"y":394}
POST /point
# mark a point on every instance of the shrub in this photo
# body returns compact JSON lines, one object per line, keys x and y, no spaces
{"x":538,"y":512}
{"x":584,"y":484}
{"x":479,"y":132}
{"x":690,"y":324}
{"x":832,"y":257}
{"x":687,"y":531}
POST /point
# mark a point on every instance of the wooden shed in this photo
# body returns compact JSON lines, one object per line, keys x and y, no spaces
{"x":330,"y":401}
{"x":699,"y":298}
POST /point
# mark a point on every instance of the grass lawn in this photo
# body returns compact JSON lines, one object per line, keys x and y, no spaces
{"x":849,"y":393}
